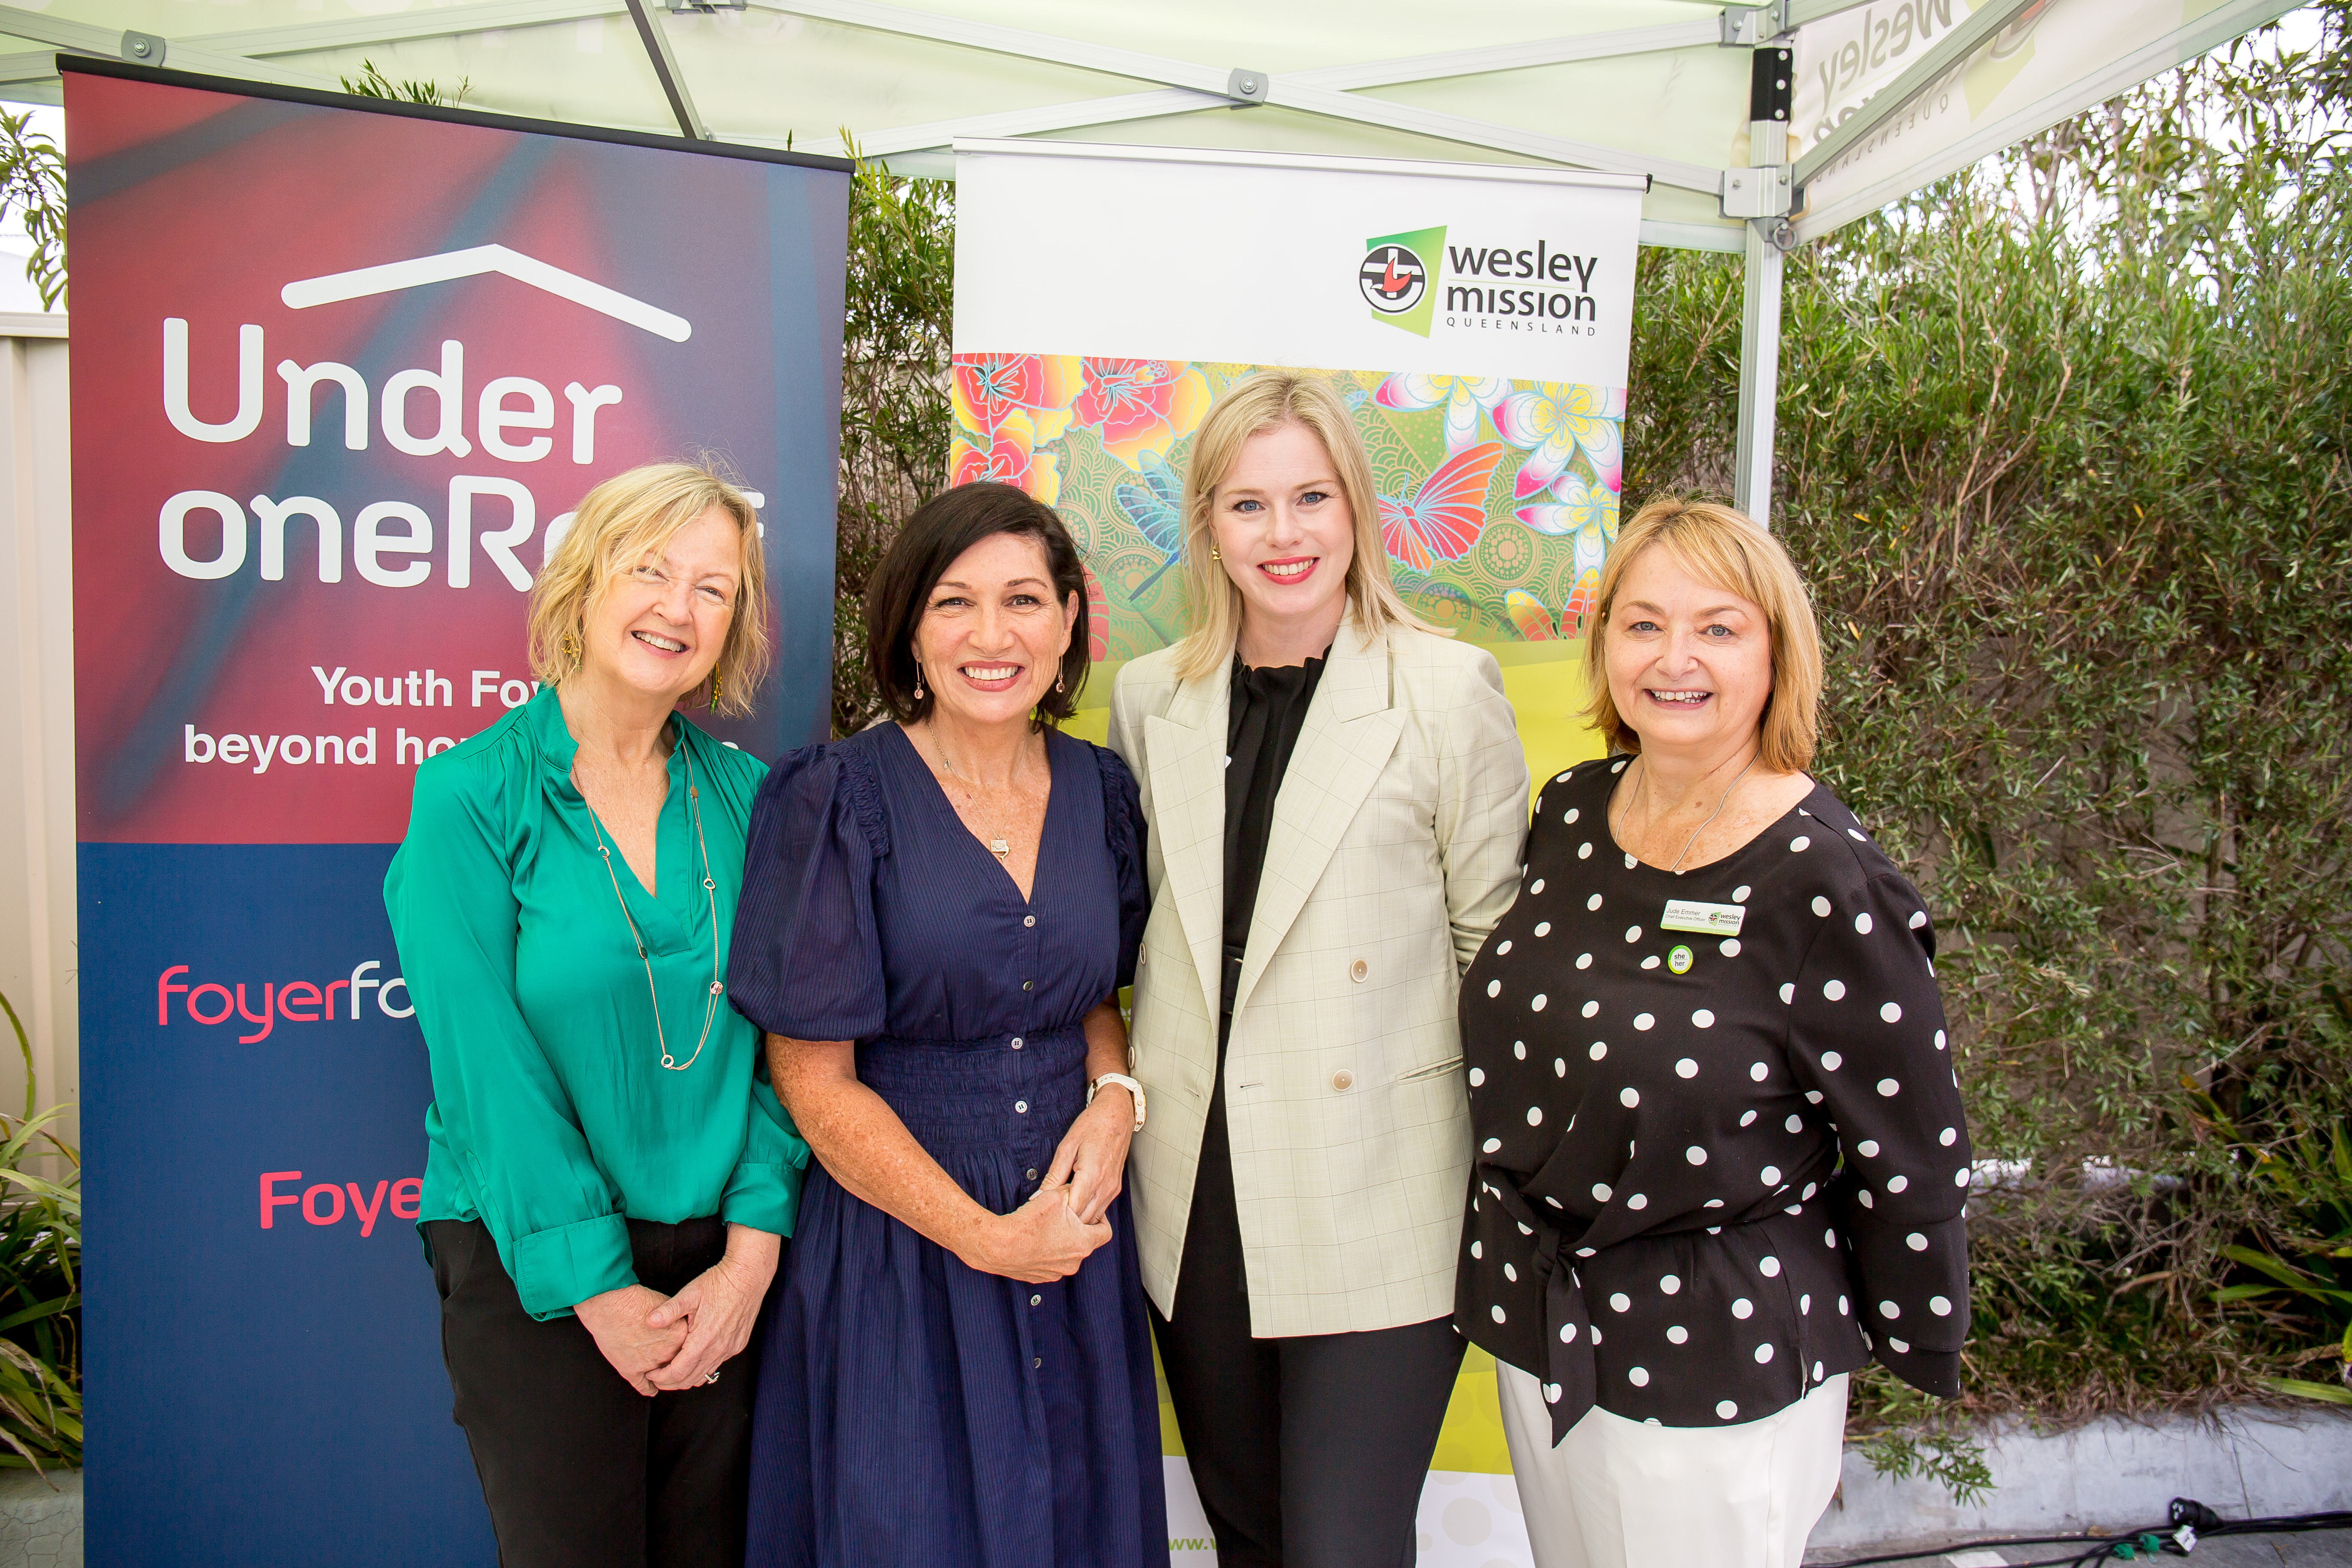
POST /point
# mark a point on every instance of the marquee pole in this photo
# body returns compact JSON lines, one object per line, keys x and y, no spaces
{"x":1759,"y":370}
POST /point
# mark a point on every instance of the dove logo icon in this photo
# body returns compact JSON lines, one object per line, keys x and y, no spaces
{"x":1397,"y":278}
{"x":1393,"y":278}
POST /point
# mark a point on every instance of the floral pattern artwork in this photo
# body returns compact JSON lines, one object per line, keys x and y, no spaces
{"x":1555,"y":423}
{"x":1464,"y":399}
{"x":1008,"y":454}
{"x":1497,"y":498}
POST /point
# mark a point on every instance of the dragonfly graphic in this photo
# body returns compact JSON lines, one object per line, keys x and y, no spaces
{"x":1443,"y":519}
{"x":1156,"y":507}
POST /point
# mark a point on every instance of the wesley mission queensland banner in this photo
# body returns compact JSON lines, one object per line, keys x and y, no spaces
{"x":1478,"y":322}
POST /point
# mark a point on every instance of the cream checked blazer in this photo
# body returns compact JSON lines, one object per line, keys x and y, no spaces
{"x":1395,"y":847}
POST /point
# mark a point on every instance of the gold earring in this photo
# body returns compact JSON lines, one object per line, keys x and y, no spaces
{"x":571,"y":648}
{"x":1215,"y":554}
{"x":918,"y":680}
{"x":715,"y":688}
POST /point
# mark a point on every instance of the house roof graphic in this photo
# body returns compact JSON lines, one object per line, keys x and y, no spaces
{"x":473,"y":262}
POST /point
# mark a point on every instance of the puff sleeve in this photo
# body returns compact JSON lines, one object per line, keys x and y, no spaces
{"x":1867,"y":1044}
{"x":806,"y":961}
{"x":1123,"y":825}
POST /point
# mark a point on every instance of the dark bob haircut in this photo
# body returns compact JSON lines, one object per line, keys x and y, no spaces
{"x":942,"y":529}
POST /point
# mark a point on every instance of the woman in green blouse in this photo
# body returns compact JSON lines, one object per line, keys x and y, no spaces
{"x":610,"y":1176}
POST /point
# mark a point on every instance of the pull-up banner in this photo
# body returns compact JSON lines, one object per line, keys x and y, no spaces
{"x":1478,"y":321}
{"x":340,"y":372}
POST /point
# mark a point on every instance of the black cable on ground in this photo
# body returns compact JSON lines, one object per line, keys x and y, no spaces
{"x":2189,"y":1523}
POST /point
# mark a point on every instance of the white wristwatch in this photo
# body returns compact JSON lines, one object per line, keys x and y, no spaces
{"x":1125,"y":1083}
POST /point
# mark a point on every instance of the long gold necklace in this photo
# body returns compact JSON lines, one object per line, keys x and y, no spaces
{"x":710,"y":896}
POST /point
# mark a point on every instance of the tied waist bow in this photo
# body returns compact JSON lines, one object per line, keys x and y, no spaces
{"x":1571,"y":1378}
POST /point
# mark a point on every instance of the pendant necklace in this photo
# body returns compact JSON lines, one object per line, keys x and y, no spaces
{"x":998,"y":845}
{"x":1675,"y":869}
{"x":710,"y":897}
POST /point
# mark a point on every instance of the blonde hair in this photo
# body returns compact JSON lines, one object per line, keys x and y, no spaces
{"x":1267,"y":402}
{"x":1721,"y":546}
{"x":617,"y":524}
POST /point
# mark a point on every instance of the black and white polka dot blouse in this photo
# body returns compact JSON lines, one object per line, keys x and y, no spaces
{"x":1715,"y":1166}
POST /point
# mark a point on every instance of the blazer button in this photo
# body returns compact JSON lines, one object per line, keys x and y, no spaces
{"x":1345,"y":1079}
{"x":1358,"y":968}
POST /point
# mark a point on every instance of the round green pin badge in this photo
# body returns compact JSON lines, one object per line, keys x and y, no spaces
{"x":1679,"y":959}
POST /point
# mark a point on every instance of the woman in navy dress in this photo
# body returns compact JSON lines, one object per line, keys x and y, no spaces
{"x":937,"y":916}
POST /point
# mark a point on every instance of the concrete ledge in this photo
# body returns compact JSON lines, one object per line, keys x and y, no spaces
{"x":2110,"y":1475}
{"x":40,"y":1519}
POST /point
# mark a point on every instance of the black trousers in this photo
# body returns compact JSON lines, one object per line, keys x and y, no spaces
{"x":581,"y":1470}
{"x":1307,"y":1452}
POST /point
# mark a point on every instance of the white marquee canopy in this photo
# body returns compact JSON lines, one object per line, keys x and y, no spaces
{"x":1759,"y":127}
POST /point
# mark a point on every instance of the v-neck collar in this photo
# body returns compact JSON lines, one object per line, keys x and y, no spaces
{"x":953,"y":821}
{"x":666,"y":921}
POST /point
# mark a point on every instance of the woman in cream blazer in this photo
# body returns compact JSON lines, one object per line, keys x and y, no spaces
{"x":1337,"y":800}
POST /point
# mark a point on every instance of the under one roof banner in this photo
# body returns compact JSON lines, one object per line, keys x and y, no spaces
{"x":1477,"y":320}
{"x":340,"y":371}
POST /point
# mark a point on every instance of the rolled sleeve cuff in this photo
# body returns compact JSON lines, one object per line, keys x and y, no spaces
{"x":1929,"y":1371}
{"x":554,"y":1271}
{"x":762,"y":1196}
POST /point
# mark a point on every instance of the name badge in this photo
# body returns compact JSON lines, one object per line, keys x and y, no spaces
{"x":1712,"y":920}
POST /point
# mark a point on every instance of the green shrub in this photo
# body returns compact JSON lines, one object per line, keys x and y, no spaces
{"x":40,"y":1285}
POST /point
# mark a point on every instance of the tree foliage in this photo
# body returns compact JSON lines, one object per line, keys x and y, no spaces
{"x":895,"y":420}
{"x":33,"y":183}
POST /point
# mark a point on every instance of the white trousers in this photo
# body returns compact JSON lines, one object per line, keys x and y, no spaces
{"x":1624,"y":1494}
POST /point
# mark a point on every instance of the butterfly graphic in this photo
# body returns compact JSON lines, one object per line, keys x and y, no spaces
{"x":1156,"y":507}
{"x":1443,"y":518}
{"x":1534,"y":621}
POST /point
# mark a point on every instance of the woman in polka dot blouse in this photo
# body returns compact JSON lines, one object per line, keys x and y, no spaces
{"x":1721,"y":1156}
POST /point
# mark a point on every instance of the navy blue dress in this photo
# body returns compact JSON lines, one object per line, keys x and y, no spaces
{"x":911,"y":1409}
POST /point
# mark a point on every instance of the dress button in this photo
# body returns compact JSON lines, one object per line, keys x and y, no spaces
{"x":1358,"y":968}
{"x":1016,"y":1042}
{"x":1027,"y":984}
{"x":1028,"y":919}
{"x":1037,"y":1360}
{"x":1022,"y":1106}
{"x":1036,"y":1301}
{"x":1345,"y":1079}
{"x":1032,"y":1173}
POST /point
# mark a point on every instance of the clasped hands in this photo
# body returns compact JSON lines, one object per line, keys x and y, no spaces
{"x":1046,"y":1238}
{"x":660,"y":1342}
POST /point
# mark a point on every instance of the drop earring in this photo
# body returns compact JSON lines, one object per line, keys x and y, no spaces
{"x":918,"y":680}
{"x":1215,"y":554}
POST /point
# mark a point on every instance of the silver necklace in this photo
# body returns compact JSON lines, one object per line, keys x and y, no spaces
{"x":998,"y":845}
{"x":1675,"y":869}
{"x":710,"y":897}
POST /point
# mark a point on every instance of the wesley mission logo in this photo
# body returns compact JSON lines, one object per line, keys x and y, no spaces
{"x":1540,"y":288}
{"x":1399,"y":280}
